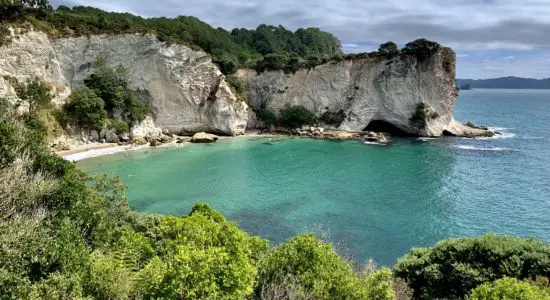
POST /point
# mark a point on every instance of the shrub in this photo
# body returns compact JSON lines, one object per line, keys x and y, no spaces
{"x":237,"y":85}
{"x":388,"y":50}
{"x":119,"y":126}
{"x":422,"y":115}
{"x":273,"y":61}
{"x":4,"y":35}
{"x":453,"y":267}
{"x":318,"y":270}
{"x":296,"y":116}
{"x":226,"y":64}
{"x":204,"y":256}
{"x":421,"y":48}
{"x":135,"y":110}
{"x":87,"y":109}
{"x":268,"y":117}
{"x":35,"y":92}
{"x":333,"y":118}
{"x":509,"y":288}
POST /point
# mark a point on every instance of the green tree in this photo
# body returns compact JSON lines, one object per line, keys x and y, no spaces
{"x":295,"y":116}
{"x":388,"y":49}
{"x":87,"y":108}
{"x":319,"y":271}
{"x":421,"y":48}
{"x":509,"y":288}
{"x":453,"y":267}
{"x":36,"y":93}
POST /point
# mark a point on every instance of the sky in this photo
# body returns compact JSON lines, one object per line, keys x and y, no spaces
{"x":492,"y":38}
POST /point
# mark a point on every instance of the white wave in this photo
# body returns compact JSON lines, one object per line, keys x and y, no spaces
{"x":374,"y":143}
{"x":469,"y":147}
{"x":498,"y":136}
{"x":426,"y":139}
{"x":499,"y":128}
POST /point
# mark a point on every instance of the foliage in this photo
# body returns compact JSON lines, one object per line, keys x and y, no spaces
{"x":389,"y":50}
{"x":205,"y":257}
{"x":87,"y":109}
{"x":230,"y":50}
{"x":453,"y":267}
{"x":268,"y":117}
{"x":4,"y":35}
{"x":318,"y":270}
{"x":237,"y":85}
{"x":509,"y":288}
{"x":379,"y":285}
{"x":35,"y":92}
{"x":295,"y":116}
{"x":421,"y":48}
{"x":422,"y":114}
{"x":333,"y":118}
{"x":119,"y":126}
{"x":10,"y":9}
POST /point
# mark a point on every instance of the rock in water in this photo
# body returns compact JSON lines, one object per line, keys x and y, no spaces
{"x":203,"y":137}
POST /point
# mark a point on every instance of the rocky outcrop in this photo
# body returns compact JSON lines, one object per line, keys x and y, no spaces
{"x":188,"y":94}
{"x":186,"y":91}
{"x":203,"y":137}
{"x":385,"y":91}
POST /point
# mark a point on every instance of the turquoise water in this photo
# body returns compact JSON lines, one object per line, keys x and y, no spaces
{"x":372,"y":201}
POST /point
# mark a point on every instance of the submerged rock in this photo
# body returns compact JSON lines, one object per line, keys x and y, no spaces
{"x":203,"y":137}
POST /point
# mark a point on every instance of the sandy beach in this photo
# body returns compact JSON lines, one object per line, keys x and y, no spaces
{"x":97,"y":149}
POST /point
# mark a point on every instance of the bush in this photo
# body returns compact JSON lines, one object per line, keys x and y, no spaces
{"x":421,"y":48}
{"x":35,"y":92}
{"x":226,"y":64}
{"x":237,"y":85}
{"x":204,"y":257}
{"x":333,"y":118}
{"x":119,"y":126}
{"x":316,"y":267}
{"x":422,"y":115}
{"x":389,"y":50}
{"x":509,"y":288}
{"x":87,"y":109}
{"x":268,"y":117}
{"x":453,"y":267}
{"x":296,"y":116}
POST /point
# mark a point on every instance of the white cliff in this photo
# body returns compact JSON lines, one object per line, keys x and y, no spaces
{"x":186,"y":91}
{"x":371,"y":89}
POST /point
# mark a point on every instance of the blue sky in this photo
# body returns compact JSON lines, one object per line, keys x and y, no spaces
{"x":492,"y":38}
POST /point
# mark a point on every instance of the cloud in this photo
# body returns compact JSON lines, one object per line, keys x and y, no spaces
{"x":465,"y":25}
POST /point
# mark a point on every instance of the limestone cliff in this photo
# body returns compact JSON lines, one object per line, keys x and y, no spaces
{"x":186,"y":90}
{"x":188,"y":93}
{"x":370,"y":89}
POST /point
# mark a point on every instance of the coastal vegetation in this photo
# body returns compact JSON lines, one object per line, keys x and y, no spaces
{"x":264,"y":48}
{"x":105,"y":96}
{"x":69,"y":235}
{"x":422,"y":115}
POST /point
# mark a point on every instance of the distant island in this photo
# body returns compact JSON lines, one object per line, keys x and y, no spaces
{"x":505,"y":83}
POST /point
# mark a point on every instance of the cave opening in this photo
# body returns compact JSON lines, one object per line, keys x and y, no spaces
{"x":383,"y":126}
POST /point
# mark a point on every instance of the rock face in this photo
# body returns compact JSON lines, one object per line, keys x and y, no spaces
{"x":372,"y":89}
{"x":187,"y":92}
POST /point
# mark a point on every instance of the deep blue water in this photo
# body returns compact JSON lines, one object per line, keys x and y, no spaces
{"x":372,"y":201}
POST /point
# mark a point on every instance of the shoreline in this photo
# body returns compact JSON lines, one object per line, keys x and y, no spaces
{"x":97,"y":149}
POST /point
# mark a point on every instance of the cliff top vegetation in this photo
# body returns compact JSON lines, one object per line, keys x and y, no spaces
{"x":264,"y":48}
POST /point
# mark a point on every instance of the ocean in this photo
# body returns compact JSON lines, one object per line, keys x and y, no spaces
{"x":372,"y":202}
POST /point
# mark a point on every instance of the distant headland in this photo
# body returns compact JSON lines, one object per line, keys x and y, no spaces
{"x":509,"y":82}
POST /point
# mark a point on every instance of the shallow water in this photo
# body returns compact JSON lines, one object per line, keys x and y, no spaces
{"x":373,"y":201}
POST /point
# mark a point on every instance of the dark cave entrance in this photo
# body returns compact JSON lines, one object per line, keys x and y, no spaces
{"x":383,"y":126}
